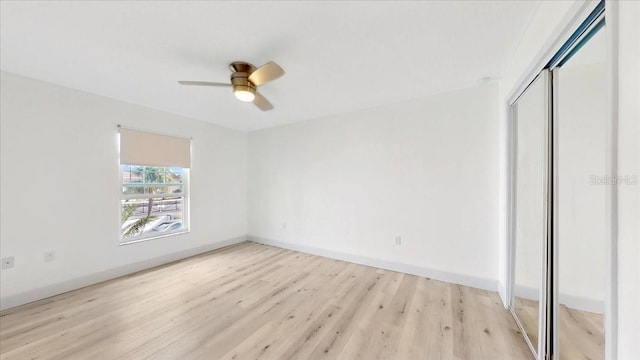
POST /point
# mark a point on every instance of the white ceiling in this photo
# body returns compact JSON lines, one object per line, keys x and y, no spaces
{"x":338,"y":56}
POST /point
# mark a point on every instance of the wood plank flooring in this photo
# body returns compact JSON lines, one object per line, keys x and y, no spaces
{"x":252,"y":301}
{"x":527,"y":311}
{"x":581,"y":332}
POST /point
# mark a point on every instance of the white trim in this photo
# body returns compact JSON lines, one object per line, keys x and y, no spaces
{"x":555,"y":210}
{"x":510,"y":213}
{"x":180,"y":231}
{"x":543,"y":320}
{"x":455,"y":278}
{"x":91,"y":279}
{"x":611,"y":133}
{"x":502,"y":291}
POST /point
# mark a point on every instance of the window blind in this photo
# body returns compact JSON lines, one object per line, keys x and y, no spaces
{"x":144,"y":148}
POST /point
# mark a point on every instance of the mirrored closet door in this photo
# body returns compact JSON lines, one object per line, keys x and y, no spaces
{"x":581,"y":200}
{"x":530,"y":119}
{"x":561,"y":200}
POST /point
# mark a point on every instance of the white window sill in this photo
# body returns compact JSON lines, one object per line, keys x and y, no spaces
{"x":153,"y":237}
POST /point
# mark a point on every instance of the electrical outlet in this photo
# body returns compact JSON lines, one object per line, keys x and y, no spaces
{"x":49,"y":256}
{"x":7,"y":263}
{"x":398,"y":240}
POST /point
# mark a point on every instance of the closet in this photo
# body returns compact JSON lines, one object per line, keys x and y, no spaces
{"x":561,"y":200}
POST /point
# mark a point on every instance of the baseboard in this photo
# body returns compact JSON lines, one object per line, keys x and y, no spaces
{"x":582,"y":303}
{"x":502,"y":291}
{"x":91,"y":279}
{"x":526,"y":292}
{"x":466,"y":280}
{"x":570,"y":301}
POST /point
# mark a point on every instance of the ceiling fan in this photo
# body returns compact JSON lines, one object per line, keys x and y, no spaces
{"x":245,"y":78}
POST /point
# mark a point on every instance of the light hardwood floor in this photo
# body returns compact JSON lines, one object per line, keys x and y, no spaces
{"x":581,"y":332}
{"x":527,"y":312}
{"x":252,"y":301}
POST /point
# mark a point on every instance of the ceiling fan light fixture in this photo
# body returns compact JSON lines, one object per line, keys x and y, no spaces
{"x":245,"y":78}
{"x":244,"y":93}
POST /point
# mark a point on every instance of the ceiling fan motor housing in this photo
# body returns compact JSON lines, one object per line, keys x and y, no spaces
{"x":240,"y":76}
{"x":241,"y":82}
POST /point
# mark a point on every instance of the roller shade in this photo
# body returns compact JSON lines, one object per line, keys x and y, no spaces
{"x":143,"y":148}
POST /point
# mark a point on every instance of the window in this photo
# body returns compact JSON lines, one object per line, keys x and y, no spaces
{"x":154,"y":199}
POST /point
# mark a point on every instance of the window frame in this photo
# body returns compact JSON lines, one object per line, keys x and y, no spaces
{"x":185,"y":195}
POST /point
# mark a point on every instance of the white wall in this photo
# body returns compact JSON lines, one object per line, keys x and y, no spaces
{"x":60,"y":188}
{"x":626,"y":26}
{"x":347,"y":185}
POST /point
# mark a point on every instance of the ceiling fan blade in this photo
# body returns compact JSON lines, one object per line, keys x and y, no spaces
{"x":265,"y":73}
{"x":262,"y":103}
{"x":203,"y":83}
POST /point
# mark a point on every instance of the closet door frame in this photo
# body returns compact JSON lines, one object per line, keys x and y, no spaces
{"x":586,"y":17}
{"x":543,"y":291}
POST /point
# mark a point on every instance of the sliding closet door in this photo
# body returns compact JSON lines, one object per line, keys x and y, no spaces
{"x":530,"y":114}
{"x":581,"y":201}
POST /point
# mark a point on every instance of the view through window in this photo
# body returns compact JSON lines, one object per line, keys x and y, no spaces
{"x":153,"y":201}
